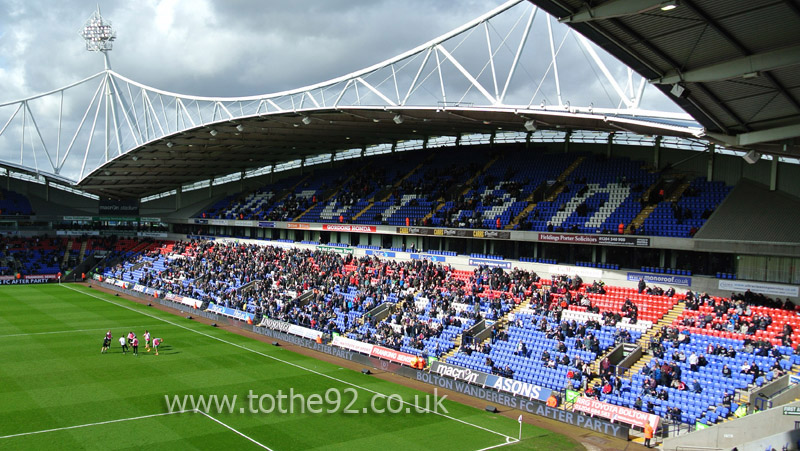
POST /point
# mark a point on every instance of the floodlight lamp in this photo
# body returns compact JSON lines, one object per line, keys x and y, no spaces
{"x":213,"y":132}
{"x":530,"y":125}
{"x":669,"y":5}
{"x":135,"y":158}
{"x":398,"y":119}
{"x":306,"y":120}
{"x":240,"y":128}
{"x":97,"y":33}
{"x":170,"y":144}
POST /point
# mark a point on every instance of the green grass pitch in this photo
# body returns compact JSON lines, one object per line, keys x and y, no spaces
{"x":58,"y":391}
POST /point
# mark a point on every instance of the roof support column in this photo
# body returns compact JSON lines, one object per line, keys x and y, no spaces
{"x":773,"y":173}
{"x":178,"y":193}
{"x":491,"y":138}
{"x":528,"y":140}
{"x":566,"y":141}
{"x":657,"y":153}
{"x":47,"y":190}
{"x":394,"y":146}
{"x":710,"y":169}
{"x":211,"y":188}
{"x":610,"y":145}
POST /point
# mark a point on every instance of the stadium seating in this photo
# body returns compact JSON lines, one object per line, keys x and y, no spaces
{"x":694,"y":207}
{"x":13,"y":203}
{"x":427,"y":188}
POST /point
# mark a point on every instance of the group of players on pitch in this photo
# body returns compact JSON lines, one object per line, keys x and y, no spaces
{"x":133,"y":341}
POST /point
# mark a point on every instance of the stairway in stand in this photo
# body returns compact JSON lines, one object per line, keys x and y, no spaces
{"x":500,"y":323}
{"x":82,"y":253}
{"x":648,"y":210}
{"x":288,"y":191}
{"x":65,"y":260}
{"x":531,"y":205}
{"x":453,"y":351}
{"x":396,"y":184}
{"x":672,"y":314}
{"x":464,"y":190}
{"x":332,"y":194}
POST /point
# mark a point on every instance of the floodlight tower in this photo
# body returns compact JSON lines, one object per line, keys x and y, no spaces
{"x":99,"y":37}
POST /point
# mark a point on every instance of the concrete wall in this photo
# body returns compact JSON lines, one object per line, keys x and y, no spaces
{"x":769,"y":427}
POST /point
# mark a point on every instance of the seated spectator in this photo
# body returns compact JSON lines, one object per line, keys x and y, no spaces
{"x":727,"y":399}
{"x":675,"y":413}
{"x":693,"y":361}
{"x":696,"y":388}
{"x":745,"y":368}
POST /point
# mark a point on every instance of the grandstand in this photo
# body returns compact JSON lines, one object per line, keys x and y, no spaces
{"x":641,"y":267}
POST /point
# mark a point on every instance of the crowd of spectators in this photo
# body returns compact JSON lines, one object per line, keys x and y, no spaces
{"x":429,"y":298}
{"x":31,"y":255}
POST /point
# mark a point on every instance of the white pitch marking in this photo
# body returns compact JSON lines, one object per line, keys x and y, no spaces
{"x":512,"y":441}
{"x":234,"y":430}
{"x":68,"y":331}
{"x":120,"y":420}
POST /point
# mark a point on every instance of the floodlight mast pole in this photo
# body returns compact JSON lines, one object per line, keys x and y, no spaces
{"x":99,"y":37}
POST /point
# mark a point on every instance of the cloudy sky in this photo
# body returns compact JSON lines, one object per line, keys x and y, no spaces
{"x":234,"y":48}
{"x":247,"y":47}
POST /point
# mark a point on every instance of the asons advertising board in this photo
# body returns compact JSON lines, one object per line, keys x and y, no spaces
{"x":614,"y":413}
{"x":518,"y":388}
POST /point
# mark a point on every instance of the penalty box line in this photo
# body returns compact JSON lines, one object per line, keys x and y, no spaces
{"x":68,"y":331}
{"x":142,"y":417}
{"x":458,"y":420}
{"x":120,"y":420}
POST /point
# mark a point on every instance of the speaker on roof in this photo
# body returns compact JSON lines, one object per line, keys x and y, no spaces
{"x":752,"y":157}
{"x":678,"y":90}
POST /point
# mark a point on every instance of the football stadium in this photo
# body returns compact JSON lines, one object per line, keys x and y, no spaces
{"x":554,"y":225}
